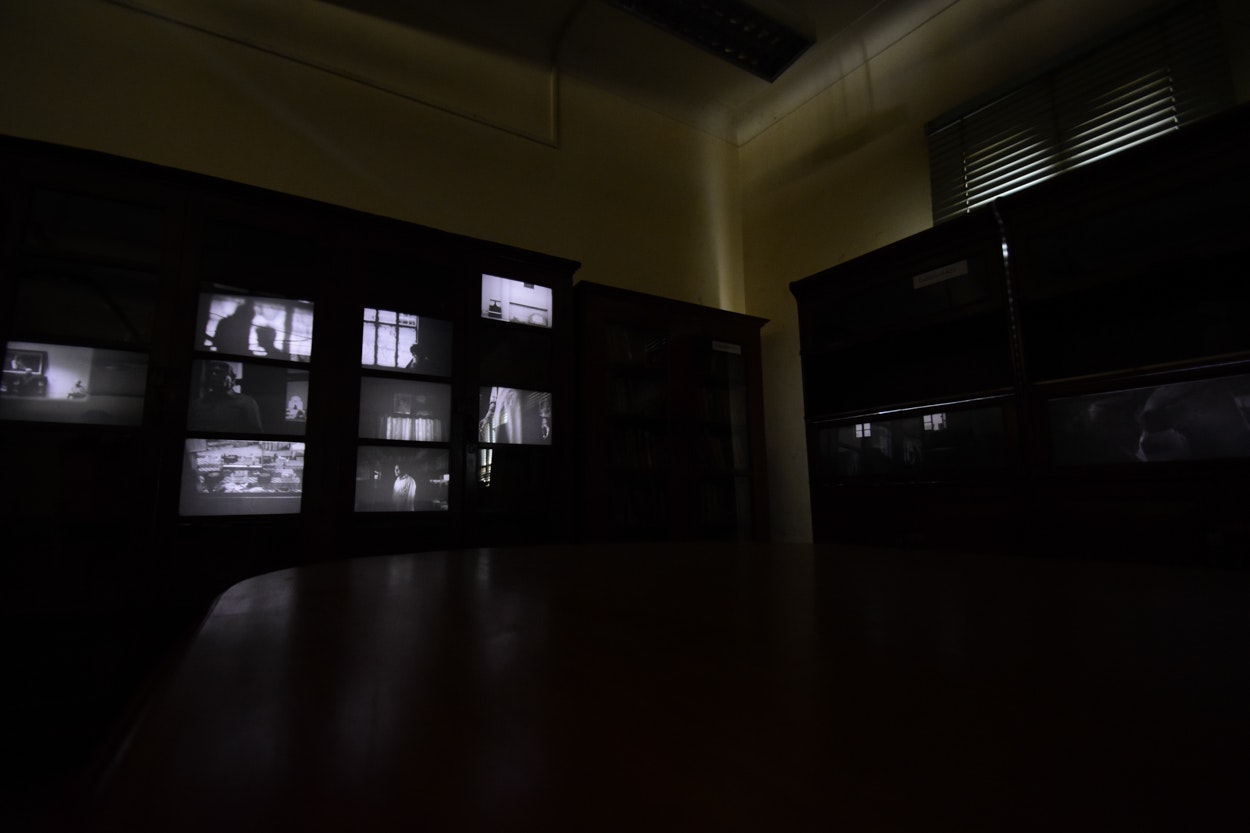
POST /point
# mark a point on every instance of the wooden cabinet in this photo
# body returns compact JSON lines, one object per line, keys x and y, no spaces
{"x":1066,"y":371}
{"x":910,"y":391}
{"x":672,"y":420}
{"x":216,"y":380}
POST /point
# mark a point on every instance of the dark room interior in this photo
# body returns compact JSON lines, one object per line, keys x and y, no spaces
{"x":336,"y":504}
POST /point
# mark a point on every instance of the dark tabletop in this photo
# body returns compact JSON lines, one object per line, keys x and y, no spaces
{"x":701,"y":687}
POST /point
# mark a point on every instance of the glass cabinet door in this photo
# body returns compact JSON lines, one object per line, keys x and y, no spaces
{"x":720,"y":441}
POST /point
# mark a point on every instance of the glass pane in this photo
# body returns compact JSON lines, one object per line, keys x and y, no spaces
{"x":246,"y":397}
{"x":61,"y":383}
{"x":66,"y":223}
{"x":86,"y":302}
{"x":1201,"y":420}
{"x":635,"y":347}
{"x":390,"y":479}
{"x":515,"y":479}
{"x":369,"y":345}
{"x":725,"y":507}
{"x":399,"y":409}
{"x":523,"y":356}
{"x":943,"y":439}
{"x":721,"y":408}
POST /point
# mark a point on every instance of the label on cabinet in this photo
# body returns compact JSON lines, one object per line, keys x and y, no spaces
{"x":945,"y":273}
{"x":726,"y":347}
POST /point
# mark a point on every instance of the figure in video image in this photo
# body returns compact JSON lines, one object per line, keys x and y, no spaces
{"x":220,"y":406}
{"x":1199,"y":420}
{"x":514,"y":417}
{"x":269,"y":328}
{"x":68,"y":383}
{"x":390,"y":479}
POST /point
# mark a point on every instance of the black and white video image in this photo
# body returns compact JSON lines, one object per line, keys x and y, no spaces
{"x":1201,"y":420}
{"x":393,"y":340}
{"x":63,"y":383}
{"x":510,"y":416}
{"x":401,"y":409}
{"x":506,"y":299}
{"x":242,"y":477}
{"x":390,"y":479}
{"x":247,"y":397}
{"x":255,"y":326}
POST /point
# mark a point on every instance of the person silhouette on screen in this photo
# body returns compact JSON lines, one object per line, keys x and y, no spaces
{"x":267,"y":338}
{"x":415,"y":361}
{"x":234,"y":332}
{"x":220,"y":407}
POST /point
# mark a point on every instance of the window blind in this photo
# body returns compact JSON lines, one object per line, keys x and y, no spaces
{"x":1148,"y":79}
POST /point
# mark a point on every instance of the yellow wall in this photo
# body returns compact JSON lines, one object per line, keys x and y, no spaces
{"x":521,"y":156}
{"x":637,"y":198}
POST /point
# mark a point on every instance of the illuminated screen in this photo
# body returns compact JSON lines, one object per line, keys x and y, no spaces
{"x":393,"y":340}
{"x":60,"y":383}
{"x":242,"y":477}
{"x":505,"y":299}
{"x":247,"y":397}
{"x":509,"y":416}
{"x":1200,"y":420}
{"x":913,"y":443}
{"x":392,"y":479}
{"x":399,"y":409}
{"x":251,"y":325}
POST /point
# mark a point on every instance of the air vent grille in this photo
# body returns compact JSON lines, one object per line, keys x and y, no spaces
{"x":731,"y":30}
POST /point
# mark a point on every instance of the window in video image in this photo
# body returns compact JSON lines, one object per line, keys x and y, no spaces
{"x":922,"y":441}
{"x":399,"y":409}
{"x":508,"y":416}
{"x":62,"y":383}
{"x":246,"y":397}
{"x":505,"y":299}
{"x":1200,"y":420}
{"x":251,"y":325}
{"x":390,"y":479}
{"x":402,"y":341}
{"x":242,"y":477}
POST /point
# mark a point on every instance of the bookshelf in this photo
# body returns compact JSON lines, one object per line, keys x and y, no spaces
{"x":672,"y":419}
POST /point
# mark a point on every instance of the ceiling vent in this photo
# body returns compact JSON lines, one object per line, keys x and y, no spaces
{"x":728,"y":29}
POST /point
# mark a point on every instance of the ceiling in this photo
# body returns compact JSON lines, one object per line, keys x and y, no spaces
{"x":617,"y":51}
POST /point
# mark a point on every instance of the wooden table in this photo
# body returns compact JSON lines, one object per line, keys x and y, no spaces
{"x":701,"y":687}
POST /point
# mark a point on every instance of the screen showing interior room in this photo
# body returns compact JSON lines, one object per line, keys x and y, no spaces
{"x":241,"y":477}
{"x":402,"y":409}
{"x":506,"y":299}
{"x":66,"y":383}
